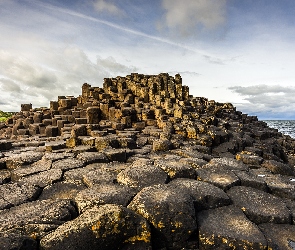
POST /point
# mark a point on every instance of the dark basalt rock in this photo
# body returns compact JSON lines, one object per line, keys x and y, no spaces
{"x":140,"y":164}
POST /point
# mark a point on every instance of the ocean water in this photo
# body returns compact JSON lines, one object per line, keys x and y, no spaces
{"x":286,"y":127}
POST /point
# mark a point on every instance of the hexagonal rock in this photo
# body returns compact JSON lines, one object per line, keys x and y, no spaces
{"x":229,"y":163}
{"x":42,"y":179}
{"x":98,"y":176}
{"x":222,"y":178}
{"x":278,"y":167}
{"x":258,"y":206}
{"x":281,"y":186}
{"x":205,"y":195}
{"x":140,"y":176}
{"x":116,"y":154}
{"x":34,"y":168}
{"x":14,"y":241}
{"x":162,"y":145}
{"x":61,"y":190}
{"x":104,"y":194}
{"x":249,"y":179}
{"x":249,"y":159}
{"x":279,"y":236}
{"x":67,"y":164}
{"x":13,"y":194}
{"x":106,"y":227}
{"x":24,"y":158}
{"x":176,"y":169}
{"x":228,"y":228}
{"x":170,"y":211}
{"x":93,"y":157}
{"x":36,"y":218}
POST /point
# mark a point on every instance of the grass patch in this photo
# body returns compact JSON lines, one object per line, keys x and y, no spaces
{"x":5,"y":115}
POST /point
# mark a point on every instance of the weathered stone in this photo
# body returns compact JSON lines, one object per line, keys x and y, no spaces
{"x":249,"y":159}
{"x":37,"y":218}
{"x":5,"y":176}
{"x":17,"y":241}
{"x":24,"y":158}
{"x":162,"y":145}
{"x":249,"y":179}
{"x":170,"y":212}
{"x":228,"y":228}
{"x":205,"y":195}
{"x":258,"y":206}
{"x":104,"y":194}
{"x":99,"y":176}
{"x":279,"y":236}
{"x":13,"y":194}
{"x":92,"y":157}
{"x":140,"y":176}
{"x":42,"y":179}
{"x":116,"y":154}
{"x":175,"y":169}
{"x":106,"y":227}
{"x":222,"y":178}
{"x":278,"y":167}
{"x":55,"y":145}
{"x":36,"y":167}
{"x":67,"y":164}
{"x":61,"y":190}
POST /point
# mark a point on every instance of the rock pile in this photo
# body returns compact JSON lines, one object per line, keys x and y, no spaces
{"x":141,"y":164}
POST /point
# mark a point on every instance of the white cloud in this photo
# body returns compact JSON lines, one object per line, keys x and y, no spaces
{"x":107,"y":6}
{"x":185,"y":16}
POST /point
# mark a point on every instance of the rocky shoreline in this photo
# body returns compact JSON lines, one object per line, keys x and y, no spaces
{"x":141,"y":164}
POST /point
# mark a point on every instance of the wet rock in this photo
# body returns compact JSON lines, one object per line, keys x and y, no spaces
{"x":104,"y":194}
{"x":258,"y":206}
{"x":36,"y":218}
{"x":67,"y":164}
{"x":13,"y":194}
{"x":170,"y":212}
{"x":42,"y":179}
{"x":61,"y":190}
{"x":222,"y":178}
{"x":176,"y":169}
{"x":278,"y":168}
{"x":143,"y":175}
{"x":226,"y":228}
{"x":205,"y":195}
{"x":279,"y":236}
{"x":106,"y":227}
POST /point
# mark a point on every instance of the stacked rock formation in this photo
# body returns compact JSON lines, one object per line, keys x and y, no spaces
{"x":141,"y":164}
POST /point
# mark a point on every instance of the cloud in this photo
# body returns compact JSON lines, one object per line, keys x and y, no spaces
{"x":266,"y":100}
{"x":185,"y":16}
{"x":110,"y":64}
{"x":9,"y":85}
{"x":107,"y":6}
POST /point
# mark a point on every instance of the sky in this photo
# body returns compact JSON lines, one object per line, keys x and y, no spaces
{"x":237,"y":51}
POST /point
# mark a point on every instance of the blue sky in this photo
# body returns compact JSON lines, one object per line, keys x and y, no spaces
{"x":238,"y":51}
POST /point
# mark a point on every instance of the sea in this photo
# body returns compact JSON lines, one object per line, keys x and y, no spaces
{"x":286,"y":127}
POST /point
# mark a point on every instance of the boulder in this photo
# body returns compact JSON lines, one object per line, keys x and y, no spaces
{"x":170,"y":212}
{"x":228,"y":228}
{"x":258,"y":206}
{"x":105,"y":227}
{"x":279,"y":236}
{"x":278,"y":167}
{"x":140,"y":176}
{"x":104,"y":194}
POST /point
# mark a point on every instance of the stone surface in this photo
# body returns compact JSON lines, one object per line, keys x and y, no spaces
{"x":105,"y":227}
{"x":260,"y":207}
{"x":279,"y":236}
{"x":228,"y":228}
{"x":143,"y":175}
{"x":170,"y":212}
{"x":104,"y":194}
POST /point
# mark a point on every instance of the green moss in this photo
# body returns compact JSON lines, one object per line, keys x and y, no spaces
{"x":5,"y":115}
